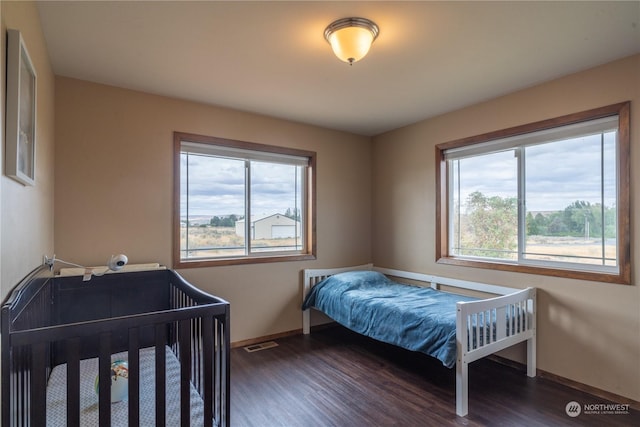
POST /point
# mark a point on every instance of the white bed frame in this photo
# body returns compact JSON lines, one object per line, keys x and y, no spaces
{"x":474,"y":315}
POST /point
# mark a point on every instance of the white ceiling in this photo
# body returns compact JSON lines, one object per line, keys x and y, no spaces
{"x":271,"y":58}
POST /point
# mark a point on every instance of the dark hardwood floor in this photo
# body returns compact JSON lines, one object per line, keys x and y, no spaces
{"x":334,"y":377}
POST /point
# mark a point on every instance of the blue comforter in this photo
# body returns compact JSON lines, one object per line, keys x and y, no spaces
{"x":416,"y":318}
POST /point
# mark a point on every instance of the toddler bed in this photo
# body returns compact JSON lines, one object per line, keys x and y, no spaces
{"x":60,"y":333}
{"x":453,"y":328}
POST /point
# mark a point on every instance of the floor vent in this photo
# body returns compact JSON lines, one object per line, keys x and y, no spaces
{"x":261,"y":346}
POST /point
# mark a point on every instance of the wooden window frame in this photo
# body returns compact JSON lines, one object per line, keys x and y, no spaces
{"x":309,"y":251}
{"x":623,"y":214}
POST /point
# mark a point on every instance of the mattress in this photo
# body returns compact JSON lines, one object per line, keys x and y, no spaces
{"x":413,"y":317}
{"x":57,"y":399}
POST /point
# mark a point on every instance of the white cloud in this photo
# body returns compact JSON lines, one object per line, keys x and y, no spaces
{"x":217,"y":186}
{"x":558,"y":174}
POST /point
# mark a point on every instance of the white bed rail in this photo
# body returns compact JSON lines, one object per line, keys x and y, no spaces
{"x":314,"y":276}
{"x":483,"y":327}
{"x":487,"y":326}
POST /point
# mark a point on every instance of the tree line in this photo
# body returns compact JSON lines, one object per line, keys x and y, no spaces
{"x":490,"y":224}
{"x":577,"y":220}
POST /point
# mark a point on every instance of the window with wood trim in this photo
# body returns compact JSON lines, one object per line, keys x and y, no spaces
{"x":239,"y":202}
{"x":548,"y":198}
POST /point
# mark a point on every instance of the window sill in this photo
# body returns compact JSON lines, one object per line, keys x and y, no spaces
{"x":201,"y":263}
{"x":622,"y":278}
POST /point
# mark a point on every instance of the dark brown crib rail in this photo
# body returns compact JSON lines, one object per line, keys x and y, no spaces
{"x":48,"y":320}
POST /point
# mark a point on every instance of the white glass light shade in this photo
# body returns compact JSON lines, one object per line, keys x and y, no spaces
{"x":351,"y":38}
{"x":351,"y":44}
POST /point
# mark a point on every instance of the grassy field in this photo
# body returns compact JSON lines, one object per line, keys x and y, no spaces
{"x":554,"y":248}
{"x":223,"y":241}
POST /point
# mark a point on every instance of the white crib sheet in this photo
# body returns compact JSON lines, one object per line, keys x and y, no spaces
{"x":57,"y":393}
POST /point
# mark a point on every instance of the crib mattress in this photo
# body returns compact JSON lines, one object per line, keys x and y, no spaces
{"x":57,"y":402}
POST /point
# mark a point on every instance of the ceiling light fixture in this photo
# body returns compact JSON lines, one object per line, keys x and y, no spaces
{"x":351,"y":38}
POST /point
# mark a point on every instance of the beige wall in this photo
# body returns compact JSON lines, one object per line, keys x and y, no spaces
{"x":588,"y":332}
{"x":26,"y":213}
{"x":114,"y":181}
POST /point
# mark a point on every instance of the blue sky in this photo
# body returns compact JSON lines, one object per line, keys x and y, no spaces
{"x":555,"y":177}
{"x":216,"y":187}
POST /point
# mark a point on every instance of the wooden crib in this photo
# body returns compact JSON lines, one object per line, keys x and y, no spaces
{"x":174,"y":337}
